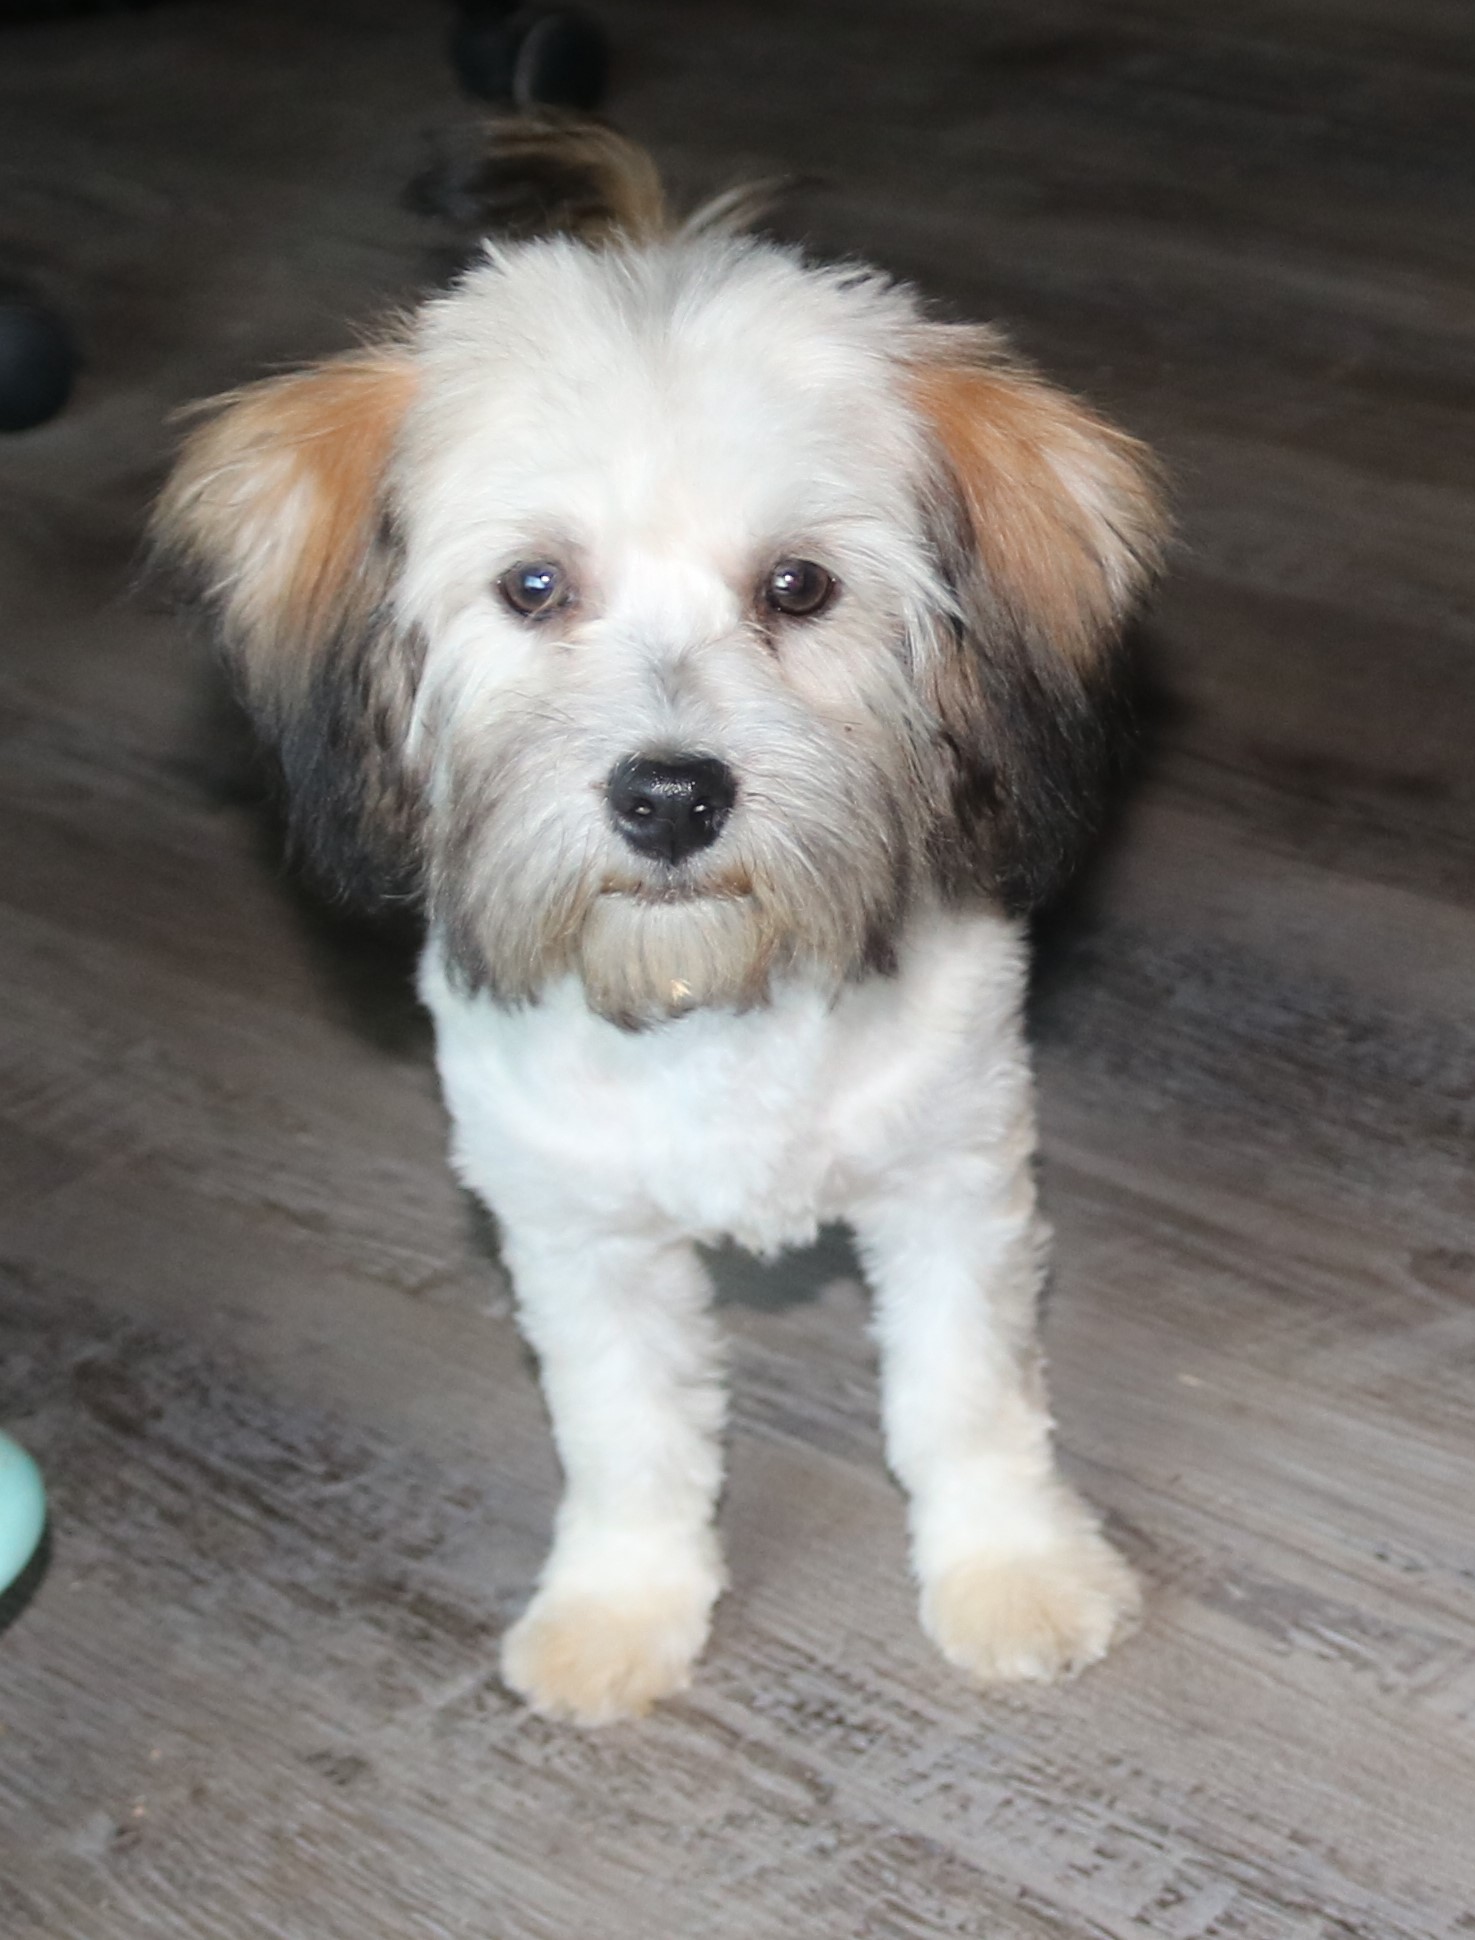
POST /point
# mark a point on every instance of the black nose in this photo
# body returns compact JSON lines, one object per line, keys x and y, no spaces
{"x":671,"y":808}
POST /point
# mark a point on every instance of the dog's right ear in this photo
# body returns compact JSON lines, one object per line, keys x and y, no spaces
{"x":279,"y":515}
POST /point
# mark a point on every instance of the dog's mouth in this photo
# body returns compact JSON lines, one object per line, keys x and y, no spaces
{"x":733,"y":885}
{"x":656,"y":945}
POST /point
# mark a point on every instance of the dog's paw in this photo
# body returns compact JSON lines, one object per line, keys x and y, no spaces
{"x":1009,"y":1618}
{"x":594,"y":1660}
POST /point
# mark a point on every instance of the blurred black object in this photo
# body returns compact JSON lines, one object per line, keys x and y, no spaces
{"x":553,"y":57}
{"x":38,"y":360}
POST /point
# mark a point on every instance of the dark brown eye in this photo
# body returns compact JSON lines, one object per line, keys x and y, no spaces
{"x":534,"y":587}
{"x":799,"y":588}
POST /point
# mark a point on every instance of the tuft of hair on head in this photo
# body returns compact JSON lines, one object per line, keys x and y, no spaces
{"x":543,"y":172}
{"x":546,"y":173}
{"x":1050,"y":524}
{"x":277,"y":517}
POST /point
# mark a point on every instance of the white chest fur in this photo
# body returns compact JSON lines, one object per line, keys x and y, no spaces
{"x":757,"y":1125}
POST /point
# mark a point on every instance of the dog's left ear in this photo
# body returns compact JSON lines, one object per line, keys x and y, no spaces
{"x":1049,"y":525}
{"x":279,"y":516}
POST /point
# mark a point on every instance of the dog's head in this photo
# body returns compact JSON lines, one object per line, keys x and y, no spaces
{"x":662,"y":609}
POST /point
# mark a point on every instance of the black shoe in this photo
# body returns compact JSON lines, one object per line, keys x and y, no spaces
{"x":531,"y":57}
{"x":38,"y":360}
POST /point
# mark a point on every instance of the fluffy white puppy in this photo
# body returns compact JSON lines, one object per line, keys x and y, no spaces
{"x":720,"y":651}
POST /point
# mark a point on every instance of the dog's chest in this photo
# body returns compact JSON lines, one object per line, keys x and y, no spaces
{"x":713,"y":1124}
{"x":758,"y":1127}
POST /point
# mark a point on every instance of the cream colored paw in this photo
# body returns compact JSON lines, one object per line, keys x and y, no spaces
{"x":595,"y":1660}
{"x":1006,"y":1619}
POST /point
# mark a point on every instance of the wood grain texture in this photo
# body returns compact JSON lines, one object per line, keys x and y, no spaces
{"x":299,"y":1466}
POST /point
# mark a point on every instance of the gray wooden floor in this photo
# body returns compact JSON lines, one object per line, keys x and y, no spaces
{"x":299,"y":1467}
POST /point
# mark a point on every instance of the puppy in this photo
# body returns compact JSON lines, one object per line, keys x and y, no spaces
{"x":720,"y":652}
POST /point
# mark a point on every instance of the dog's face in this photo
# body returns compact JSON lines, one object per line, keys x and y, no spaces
{"x":672,"y":614}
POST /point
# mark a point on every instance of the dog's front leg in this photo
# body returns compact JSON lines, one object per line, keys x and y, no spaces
{"x":1016,"y":1579}
{"x":623,"y":1332}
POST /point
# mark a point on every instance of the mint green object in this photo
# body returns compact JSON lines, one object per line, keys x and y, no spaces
{"x":22,"y":1510}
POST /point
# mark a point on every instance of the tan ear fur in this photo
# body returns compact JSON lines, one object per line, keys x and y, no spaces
{"x":1048,"y":525}
{"x":275,"y":502}
{"x":1066,"y":514}
{"x":279,"y":515}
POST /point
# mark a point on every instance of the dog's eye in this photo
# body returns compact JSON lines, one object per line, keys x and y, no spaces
{"x":534,"y":587}
{"x":799,"y":588}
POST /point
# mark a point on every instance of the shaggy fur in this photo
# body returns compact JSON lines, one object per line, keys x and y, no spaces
{"x":814,"y":1015}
